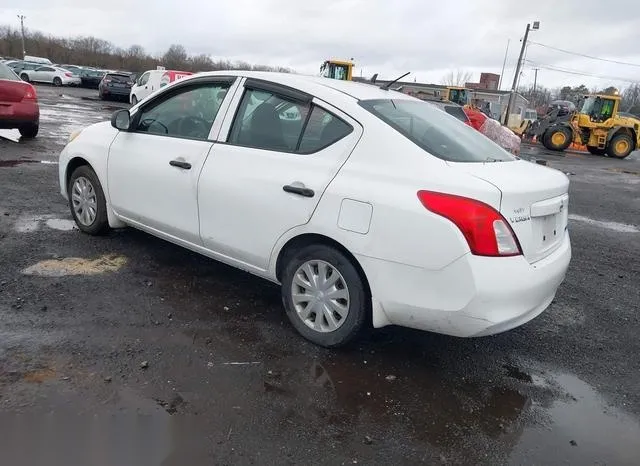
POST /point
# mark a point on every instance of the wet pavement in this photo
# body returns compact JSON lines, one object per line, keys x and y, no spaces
{"x":136,"y":351}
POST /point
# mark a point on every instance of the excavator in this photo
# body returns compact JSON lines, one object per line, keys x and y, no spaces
{"x":598,"y":125}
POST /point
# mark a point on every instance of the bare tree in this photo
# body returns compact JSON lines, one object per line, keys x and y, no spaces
{"x":631,"y":98}
{"x":457,"y":78}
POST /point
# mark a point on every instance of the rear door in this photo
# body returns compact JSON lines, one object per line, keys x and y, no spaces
{"x":278,"y":152}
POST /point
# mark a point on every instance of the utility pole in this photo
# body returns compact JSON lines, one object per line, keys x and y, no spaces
{"x":535,"y":79}
{"x":536,"y":26}
{"x":22,"y":18}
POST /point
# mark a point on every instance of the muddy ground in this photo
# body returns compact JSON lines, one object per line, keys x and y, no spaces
{"x":127,"y":350}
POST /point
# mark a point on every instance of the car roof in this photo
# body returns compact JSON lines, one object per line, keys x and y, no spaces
{"x":315,"y":84}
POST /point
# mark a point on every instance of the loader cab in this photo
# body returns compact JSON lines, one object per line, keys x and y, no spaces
{"x":337,"y":69}
{"x":458,"y":95}
{"x":600,"y":108}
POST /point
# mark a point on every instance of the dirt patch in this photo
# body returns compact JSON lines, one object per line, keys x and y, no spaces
{"x":39,"y":376}
{"x":76,"y":266}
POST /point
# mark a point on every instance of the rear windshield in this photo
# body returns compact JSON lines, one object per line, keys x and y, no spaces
{"x":7,"y":73}
{"x":442,"y":135}
{"x":120,"y":78}
{"x":456,"y":112}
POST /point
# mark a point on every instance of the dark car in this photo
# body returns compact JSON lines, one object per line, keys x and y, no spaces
{"x":24,"y":65}
{"x":91,"y":78}
{"x":18,"y":104}
{"x":116,"y":85}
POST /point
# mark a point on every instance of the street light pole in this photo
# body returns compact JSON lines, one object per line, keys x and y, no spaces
{"x":536,"y":26}
{"x":504,"y":63}
{"x":22,"y":18}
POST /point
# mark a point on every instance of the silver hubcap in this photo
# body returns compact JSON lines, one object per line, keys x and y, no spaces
{"x":320,"y":296}
{"x":85,"y":202}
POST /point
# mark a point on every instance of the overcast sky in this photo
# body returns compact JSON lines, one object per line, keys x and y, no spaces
{"x":427,"y":38}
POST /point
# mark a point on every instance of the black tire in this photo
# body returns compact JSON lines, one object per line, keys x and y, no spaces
{"x":24,"y":77}
{"x":613,"y":148}
{"x":359,"y":304}
{"x":29,"y":131}
{"x":596,"y":150}
{"x":57,"y":81}
{"x":134,"y":100}
{"x":548,"y":138}
{"x":100,"y":224}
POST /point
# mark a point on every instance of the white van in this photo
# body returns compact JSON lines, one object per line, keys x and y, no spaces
{"x":32,"y":59}
{"x":152,"y":80}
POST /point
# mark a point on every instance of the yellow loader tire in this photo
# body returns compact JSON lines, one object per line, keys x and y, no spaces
{"x":620,"y":146}
{"x":557,"y":138}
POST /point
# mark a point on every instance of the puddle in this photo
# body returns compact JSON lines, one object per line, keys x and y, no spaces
{"x":582,"y":430}
{"x":76,"y":266}
{"x":614,"y":226}
{"x":31,"y":223}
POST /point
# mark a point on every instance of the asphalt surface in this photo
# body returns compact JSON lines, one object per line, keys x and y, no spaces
{"x":140,"y":352}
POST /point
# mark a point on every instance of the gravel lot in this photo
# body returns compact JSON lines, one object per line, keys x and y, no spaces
{"x":176,"y":359}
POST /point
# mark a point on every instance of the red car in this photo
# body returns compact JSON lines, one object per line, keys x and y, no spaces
{"x":18,"y":104}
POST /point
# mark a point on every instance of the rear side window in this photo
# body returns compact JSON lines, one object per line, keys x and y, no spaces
{"x":456,"y":112}
{"x":440,"y":134}
{"x":7,"y":73}
{"x":268,"y":121}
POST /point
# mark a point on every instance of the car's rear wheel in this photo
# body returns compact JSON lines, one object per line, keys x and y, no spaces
{"x":29,"y":131}
{"x":24,"y":77}
{"x":57,"y":81}
{"x":87,"y":202}
{"x":324,"y":295}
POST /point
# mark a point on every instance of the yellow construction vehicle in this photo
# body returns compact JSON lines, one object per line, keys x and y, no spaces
{"x":598,"y":126}
{"x":337,"y":69}
{"x":459,"y":95}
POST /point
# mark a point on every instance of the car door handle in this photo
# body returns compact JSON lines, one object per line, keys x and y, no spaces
{"x":180,"y":164}
{"x":300,"y":190}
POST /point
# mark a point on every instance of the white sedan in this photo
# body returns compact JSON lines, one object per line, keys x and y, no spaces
{"x":52,"y":75}
{"x":373,"y":207}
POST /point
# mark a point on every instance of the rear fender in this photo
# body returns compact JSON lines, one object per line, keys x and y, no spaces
{"x":624,"y":130}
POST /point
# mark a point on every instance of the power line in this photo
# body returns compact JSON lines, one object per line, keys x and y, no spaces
{"x":580,"y":73}
{"x":585,"y":55}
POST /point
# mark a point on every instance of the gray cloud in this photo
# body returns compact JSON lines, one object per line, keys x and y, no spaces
{"x":385,"y":37}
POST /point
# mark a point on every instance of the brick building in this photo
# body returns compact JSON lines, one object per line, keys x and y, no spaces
{"x":488,"y":81}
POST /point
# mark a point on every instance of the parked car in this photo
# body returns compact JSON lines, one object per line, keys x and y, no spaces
{"x":52,"y":75}
{"x":115,"y":85}
{"x":151,"y":81}
{"x":91,"y":78}
{"x":18,"y":104}
{"x":75,"y":69}
{"x":41,"y":60}
{"x":20,"y":65}
{"x":374,"y":207}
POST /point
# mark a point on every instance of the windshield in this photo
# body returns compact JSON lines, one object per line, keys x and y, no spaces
{"x":333,"y":71}
{"x":587,"y":106}
{"x":598,"y":108}
{"x":436,"y":132}
{"x":458,"y":96}
{"x":7,"y":73}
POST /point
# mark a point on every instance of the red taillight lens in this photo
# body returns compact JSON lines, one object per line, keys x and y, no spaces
{"x":486,"y":231}
{"x":30,"y":93}
{"x":69,"y":75}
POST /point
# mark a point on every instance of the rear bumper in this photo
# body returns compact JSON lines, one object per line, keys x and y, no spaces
{"x":19,"y":114}
{"x":473,"y":296}
{"x":71,"y":81}
{"x":115,"y":91}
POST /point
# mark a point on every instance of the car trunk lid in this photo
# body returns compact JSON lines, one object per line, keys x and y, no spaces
{"x":12,"y":91}
{"x":534,"y":200}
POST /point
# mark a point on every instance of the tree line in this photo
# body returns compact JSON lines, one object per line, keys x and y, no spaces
{"x":100,"y":53}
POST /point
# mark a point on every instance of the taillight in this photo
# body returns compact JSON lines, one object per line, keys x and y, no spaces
{"x":30,"y":93}
{"x":485,"y":229}
{"x":106,"y":80}
{"x":69,"y":75}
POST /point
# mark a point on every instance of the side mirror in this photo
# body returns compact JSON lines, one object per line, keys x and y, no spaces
{"x":121,"y":120}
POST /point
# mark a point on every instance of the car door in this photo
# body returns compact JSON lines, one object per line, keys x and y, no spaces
{"x":46,"y":74}
{"x":153,"y":167}
{"x":139,"y":89}
{"x":39,"y":74}
{"x":281,"y":149}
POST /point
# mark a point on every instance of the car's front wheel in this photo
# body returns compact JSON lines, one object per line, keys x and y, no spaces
{"x":57,"y":81}
{"x":87,"y":202}
{"x":324,"y":295}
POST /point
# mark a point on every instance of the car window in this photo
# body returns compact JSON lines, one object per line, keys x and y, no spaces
{"x":322,"y":130}
{"x":188,"y":112}
{"x":434,"y":131}
{"x":7,"y":73}
{"x":267,"y":121}
{"x":457,"y":112}
{"x":45,"y":68}
{"x":143,"y":79}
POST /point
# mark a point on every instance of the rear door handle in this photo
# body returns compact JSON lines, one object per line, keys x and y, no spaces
{"x":300,"y":190}
{"x":180,"y":164}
